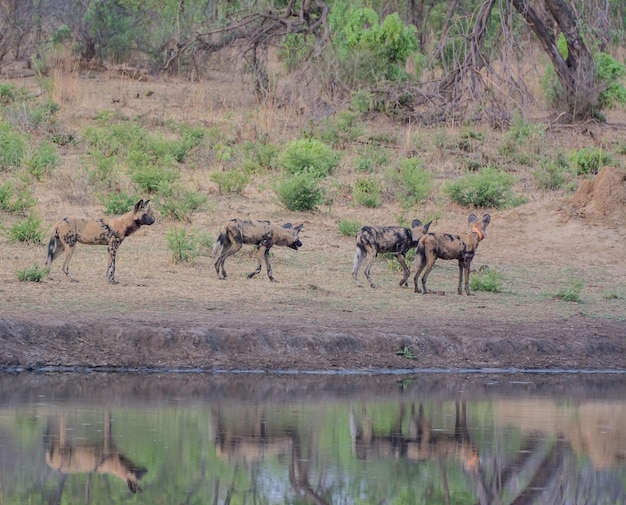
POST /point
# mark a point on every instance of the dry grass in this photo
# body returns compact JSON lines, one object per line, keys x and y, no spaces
{"x":537,"y":248}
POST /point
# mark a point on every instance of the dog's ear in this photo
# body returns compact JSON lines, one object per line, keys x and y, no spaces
{"x":427,"y":226}
{"x":486,"y":220}
{"x":416,"y":223}
{"x":299,"y":227}
{"x":287,"y":226}
{"x":139,"y":205}
{"x":471,"y":219}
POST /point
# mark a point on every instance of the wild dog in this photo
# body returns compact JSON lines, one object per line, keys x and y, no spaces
{"x":450,"y":247}
{"x":371,"y":240}
{"x":89,"y":456}
{"x":110,"y":231}
{"x":263,"y":234}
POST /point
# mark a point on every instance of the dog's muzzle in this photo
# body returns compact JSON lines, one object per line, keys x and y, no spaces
{"x":295,"y":245}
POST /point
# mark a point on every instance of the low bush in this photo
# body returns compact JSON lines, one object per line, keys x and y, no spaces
{"x":15,"y":201}
{"x":186,"y":245}
{"x":589,"y":160}
{"x":231,"y":181}
{"x":572,"y":292}
{"x":367,"y":192}
{"x":12,"y":147}
{"x":349,"y":227}
{"x":488,"y":188}
{"x":410,"y":182}
{"x":118,"y":203}
{"x":309,"y":156}
{"x":32,"y":274}
{"x":28,"y":230}
{"x":43,"y":160}
{"x":299,"y":192}
{"x":175,"y":202}
{"x":551,"y":174}
{"x":486,"y":279}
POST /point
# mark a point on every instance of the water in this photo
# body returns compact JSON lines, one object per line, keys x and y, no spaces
{"x":466,"y":438}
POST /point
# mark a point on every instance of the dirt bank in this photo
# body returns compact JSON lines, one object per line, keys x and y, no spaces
{"x":223,"y":342}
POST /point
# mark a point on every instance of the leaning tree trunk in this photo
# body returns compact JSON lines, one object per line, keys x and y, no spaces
{"x":576,"y":74}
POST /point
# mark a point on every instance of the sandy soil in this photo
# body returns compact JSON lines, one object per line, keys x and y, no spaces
{"x":164,"y":315}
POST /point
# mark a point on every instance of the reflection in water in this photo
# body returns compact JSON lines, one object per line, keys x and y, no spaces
{"x":68,"y":455}
{"x":241,"y":438}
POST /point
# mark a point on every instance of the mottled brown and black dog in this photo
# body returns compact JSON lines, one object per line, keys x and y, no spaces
{"x":109,"y":231}
{"x":450,"y":247}
{"x":263,"y":234}
{"x":371,"y":240}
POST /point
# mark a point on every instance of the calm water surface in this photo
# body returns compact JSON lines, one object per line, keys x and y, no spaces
{"x":297,"y":439}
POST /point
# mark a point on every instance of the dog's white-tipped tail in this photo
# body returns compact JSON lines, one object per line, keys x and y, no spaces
{"x":358,"y":256}
{"x":53,"y":247}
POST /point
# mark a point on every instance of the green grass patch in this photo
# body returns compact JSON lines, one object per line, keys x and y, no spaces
{"x":32,"y":274}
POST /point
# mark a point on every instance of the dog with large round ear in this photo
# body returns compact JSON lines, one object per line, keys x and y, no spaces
{"x":110,"y":231}
{"x":264,"y":234}
{"x":371,"y":240}
{"x":446,"y":246}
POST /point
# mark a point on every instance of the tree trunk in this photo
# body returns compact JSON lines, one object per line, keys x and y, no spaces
{"x":576,"y":74}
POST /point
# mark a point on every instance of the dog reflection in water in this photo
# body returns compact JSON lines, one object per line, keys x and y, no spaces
{"x":85,"y":456}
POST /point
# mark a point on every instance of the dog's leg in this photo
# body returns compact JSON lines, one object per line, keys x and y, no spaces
{"x":461,"y":268}
{"x":114,"y":243}
{"x":228,"y":250}
{"x":261,"y":251}
{"x":405,"y":269}
{"x":419,"y":263}
{"x":466,"y":271}
{"x":369,"y":262}
{"x":69,"y":250}
{"x":430,"y":263}
{"x":268,"y":265}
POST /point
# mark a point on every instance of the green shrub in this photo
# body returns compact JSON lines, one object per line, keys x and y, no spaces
{"x":486,"y":279}
{"x":362,"y":101}
{"x":341,"y":129}
{"x":32,"y":274}
{"x":259,"y":156}
{"x":367,"y":192}
{"x":15,"y":202}
{"x":118,"y":203}
{"x":348,"y":227}
{"x":572,"y":292}
{"x":589,"y":160}
{"x":149,"y":178}
{"x":551,"y":173}
{"x":299,"y":192}
{"x":610,"y":73}
{"x":522,"y":140}
{"x":411,"y":182}
{"x":231,"y":181}
{"x":12,"y":147}
{"x":8,"y":93}
{"x":43,"y":160}
{"x":28,"y":230}
{"x":42,"y":114}
{"x":370,"y":158}
{"x":488,"y":188}
{"x":309,"y":156}
{"x":179,"y":204}
{"x":103,"y":174}
{"x":186,"y":245}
